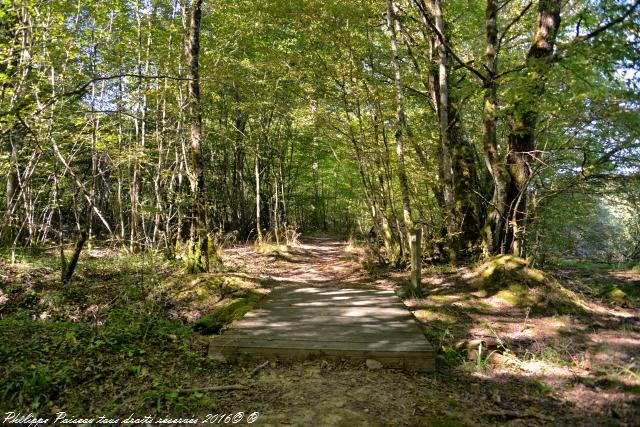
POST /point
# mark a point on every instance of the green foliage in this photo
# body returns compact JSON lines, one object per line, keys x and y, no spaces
{"x":598,"y":229}
{"x":302,"y":92}
{"x":119,"y":339}
{"x":451,"y":356}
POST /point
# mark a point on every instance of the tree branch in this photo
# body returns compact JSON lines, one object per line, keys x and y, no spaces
{"x":80,"y":89}
{"x":80,"y":186}
{"x":512,"y":23}
{"x":425,"y":19}
{"x":609,"y":24}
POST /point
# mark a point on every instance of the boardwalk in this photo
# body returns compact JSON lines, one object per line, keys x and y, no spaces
{"x":297,"y":323}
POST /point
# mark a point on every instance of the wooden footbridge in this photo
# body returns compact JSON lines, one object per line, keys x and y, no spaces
{"x":328,"y":323}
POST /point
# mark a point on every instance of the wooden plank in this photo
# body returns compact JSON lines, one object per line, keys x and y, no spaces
{"x":374,"y":312}
{"x":329,"y":323}
{"x":329,"y":330}
{"x":357,"y":300}
{"x":329,"y":334}
{"x":383,"y":346}
{"x":312,"y":291}
{"x":320,"y":321}
{"x":364,"y":302}
{"x":304,"y":317}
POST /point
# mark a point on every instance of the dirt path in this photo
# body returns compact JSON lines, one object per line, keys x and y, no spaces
{"x":321,"y":393}
{"x":318,"y":260}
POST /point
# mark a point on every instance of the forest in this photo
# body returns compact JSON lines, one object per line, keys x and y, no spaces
{"x":168,"y":163}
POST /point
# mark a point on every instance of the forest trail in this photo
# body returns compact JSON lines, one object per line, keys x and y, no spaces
{"x":560,"y":369}
{"x":541,"y":389}
{"x":325,"y":307}
{"x":321,"y":261}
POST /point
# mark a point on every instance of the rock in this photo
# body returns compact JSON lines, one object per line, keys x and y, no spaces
{"x":373,"y":364}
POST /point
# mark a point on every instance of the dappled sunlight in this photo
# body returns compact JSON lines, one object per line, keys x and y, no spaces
{"x":317,"y":261}
{"x":502,"y":360}
{"x":431,"y":316}
{"x":505,"y":324}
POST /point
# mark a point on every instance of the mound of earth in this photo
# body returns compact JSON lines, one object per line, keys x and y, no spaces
{"x":210,"y":300}
{"x":508,"y":279}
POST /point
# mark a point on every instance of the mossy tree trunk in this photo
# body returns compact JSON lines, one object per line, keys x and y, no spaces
{"x":465,"y":181}
{"x":458,"y":167}
{"x":494,"y":227}
{"x":199,"y":242}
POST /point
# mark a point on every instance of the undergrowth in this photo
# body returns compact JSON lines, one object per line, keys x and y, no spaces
{"x":103,"y":344}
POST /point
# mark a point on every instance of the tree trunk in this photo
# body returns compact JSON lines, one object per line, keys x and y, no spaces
{"x":465,"y":181}
{"x":67,"y":268}
{"x":524,"y":118}
{"x":401,"y":124}
{"x":198,"y":257}
{"x":495,"y":226}
{"x":257,"y":176}
{"x":16,"y":137}
{"x":443,"y":112}
{"x":239,"y":190}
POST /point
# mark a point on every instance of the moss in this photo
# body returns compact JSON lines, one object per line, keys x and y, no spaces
{"x":621,"y":295}
{"x":510,"y":279}
{"x":198,"y":255}
{"x":434,"y":316}
{"x":235,"y":309}
{"x":516,"y":295}
{"x":190,"y":297}
{"x":499,"y":272}
{"x":616,"y":294}
{"x":535,"y":275}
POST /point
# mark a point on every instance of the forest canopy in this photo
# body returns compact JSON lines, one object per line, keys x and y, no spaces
{"x":495,"y":126}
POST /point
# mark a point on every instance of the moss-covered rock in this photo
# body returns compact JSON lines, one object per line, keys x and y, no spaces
{"x":618,"y":296}
{"x":498,"y":271}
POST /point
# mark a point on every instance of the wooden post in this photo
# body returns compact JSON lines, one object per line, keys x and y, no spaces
{"x":416,"y":260}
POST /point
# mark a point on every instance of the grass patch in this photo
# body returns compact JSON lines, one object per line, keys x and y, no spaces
{"x":592,"y":266}
{"x":77,"y":366}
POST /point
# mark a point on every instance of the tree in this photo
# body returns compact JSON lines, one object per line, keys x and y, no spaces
{"x":198,"y":257}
